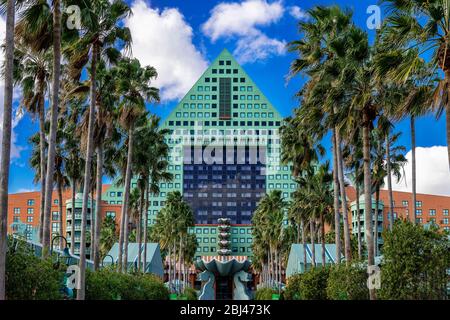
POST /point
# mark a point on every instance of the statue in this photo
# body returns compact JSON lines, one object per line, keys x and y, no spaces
{"x":240,"y":280}
{"x":207,"y":279}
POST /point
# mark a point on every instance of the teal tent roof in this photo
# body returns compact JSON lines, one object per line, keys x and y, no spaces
{"x":154,"y":261}
{"x":296,"y":257}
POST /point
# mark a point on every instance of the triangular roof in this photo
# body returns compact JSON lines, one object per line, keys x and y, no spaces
{"x":225,"y":66}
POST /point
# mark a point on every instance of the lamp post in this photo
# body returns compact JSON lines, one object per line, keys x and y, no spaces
{"x":112,"y":260}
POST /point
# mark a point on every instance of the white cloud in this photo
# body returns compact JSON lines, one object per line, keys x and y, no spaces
{"x":432,"y":172}
{"x":228,"y":19}
{"x":15,"y":149}
{"x":242,"y":21}
{"x":258,"y":47}
{"x":298,"y":13}
{"x":163,"y":39}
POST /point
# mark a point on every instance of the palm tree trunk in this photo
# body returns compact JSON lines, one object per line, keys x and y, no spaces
{"x":337,"y":218}
{"x":305,"y":259}
{"x":98,"y":207}
{"x":169,"y":268}
{"x":125,"y":242}
{"x":126,"y":196}
{"x":368,"y":196}
{"x":145,"y":218}
{"x":447,"y":121}
{"x":43,"y":158}
{"x":53,"y":125}
{"x":92,"y":226}
{"x":413,"y":165}
{"x":139,"y":228}
{"x":322,"y":236}
{"x":347,"y":245}
{"x":60,"y":204}
{"x":313,"y":247}
{"x":358,"y":221}
{"x":389,"y":181}
{"x":72,"y":226}
{"x":6,"y":143}
{"x":375,"y":229}
{"x":87,"y":174}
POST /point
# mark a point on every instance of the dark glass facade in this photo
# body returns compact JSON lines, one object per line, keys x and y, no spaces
{"x":228,"y":188}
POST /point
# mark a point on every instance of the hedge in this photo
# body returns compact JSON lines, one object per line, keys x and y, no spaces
{"x":348,"y":282}
{"x":265,"y":293}
{"x":106,"y":284}
{"x":31,"y":278}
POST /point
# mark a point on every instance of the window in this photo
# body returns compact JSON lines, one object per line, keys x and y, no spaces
{"x":30,"y":219}
{"x":55,"y":227}
{"x":419,"y":212}
{"x":405,"y":203}
{"x":419,"y":204}
{"x":16,"y":210}
{"x":55,"y":215}
{"x":111,"y":214}
{"x":30,"y":202}
{"x":30,"y":211}
{"x":445,"y":221}
{"x":112,"y":194}
{"x":432,"y":212}
{"x":445,"y":212}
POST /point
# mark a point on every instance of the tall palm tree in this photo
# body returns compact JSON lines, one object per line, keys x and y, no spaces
{"x":6,"y":141}
{"x":101,"y":30}
{"x":415,"y":94}
{"x":329,"y":37}
{"x":54,"y":109}
{"x":414,"y":24}
{"x":32,"y":73}
{"x":268,"y":223}
{"x":380,"y":167}
{"x":135,"y":90}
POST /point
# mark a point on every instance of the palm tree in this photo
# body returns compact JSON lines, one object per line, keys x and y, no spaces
{"x":380,"y":167}
{"x":423,"y":25}
{"x":415,"y":94}
{"x":135,"y":90}
{"x":327,"y":40}
{"x":101,"y":31}
{"x":354,"y":162}
{"x":150,"y":165}
{"x":172,"y":224}
{"x":108,"y":236}
{"x":268,"y":223}
{"x":54,"y":109}
{"x":6,"y":141}
{"x":32,"y":73}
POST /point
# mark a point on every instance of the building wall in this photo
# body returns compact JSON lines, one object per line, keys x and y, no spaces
{"x":25,"y":208}
{"x":431,"y":208}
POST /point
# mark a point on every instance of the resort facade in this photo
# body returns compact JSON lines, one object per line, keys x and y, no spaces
{"x":224,"y":156}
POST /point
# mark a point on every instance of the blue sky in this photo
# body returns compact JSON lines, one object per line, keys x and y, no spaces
{"x":181,"y":37}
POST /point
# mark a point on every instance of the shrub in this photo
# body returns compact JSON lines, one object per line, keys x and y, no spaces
{"x":292,"y":291}
{"x":415,"y":260}
{"x":347,"y":282}
{"x":31,"y":278}
{"x":107,"y":284}
{"x":310,"y":285}
{"x":265,"y":294}
{"x":190,"y":294}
